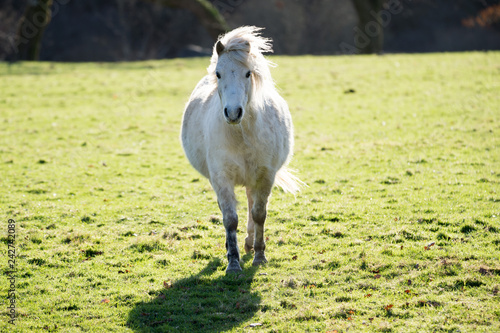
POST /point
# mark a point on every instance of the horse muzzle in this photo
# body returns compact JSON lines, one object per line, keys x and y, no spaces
{"x":233,"y":115}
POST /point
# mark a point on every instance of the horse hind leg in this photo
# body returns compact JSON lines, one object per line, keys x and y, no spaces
{"x":250,"y":225}
{"x":259,"y":213}
{"x":227,"y":204}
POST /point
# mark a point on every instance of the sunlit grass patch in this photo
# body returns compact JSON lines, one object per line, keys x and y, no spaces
{"x":398,"y":229}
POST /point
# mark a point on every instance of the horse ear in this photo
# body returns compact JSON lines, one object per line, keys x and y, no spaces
{"x":219,"y":47}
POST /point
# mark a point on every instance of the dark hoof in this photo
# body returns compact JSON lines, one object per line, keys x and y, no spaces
{"x":233,"y":267}
{"x":233,"y":271}
{"x":259,"y":259}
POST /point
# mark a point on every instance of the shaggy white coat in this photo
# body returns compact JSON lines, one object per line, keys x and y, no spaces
{"x":237,"y":130}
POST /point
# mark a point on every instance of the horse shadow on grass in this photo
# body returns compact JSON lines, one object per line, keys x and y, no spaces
{"x":199,"y":303}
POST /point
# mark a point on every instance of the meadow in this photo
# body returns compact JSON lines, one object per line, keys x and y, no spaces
{"x":397,"y":231}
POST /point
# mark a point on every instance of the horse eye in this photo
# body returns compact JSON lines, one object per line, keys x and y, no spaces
{"x":218,"y":75}
{"x":248,"y":74}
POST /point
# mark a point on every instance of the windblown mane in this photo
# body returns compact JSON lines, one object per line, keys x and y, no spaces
{"x":246,"y":46}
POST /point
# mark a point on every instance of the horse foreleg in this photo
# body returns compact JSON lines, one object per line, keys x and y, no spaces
{"x":227,"y":205}
{"x":250,"y":226}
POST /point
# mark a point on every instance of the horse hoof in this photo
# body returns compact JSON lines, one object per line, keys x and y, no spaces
{"x":248,"y":248}
{"x":259,"y":259}
{"x":233,"y":271}
{"x":259,"y":262}
{"x":233,"y":268}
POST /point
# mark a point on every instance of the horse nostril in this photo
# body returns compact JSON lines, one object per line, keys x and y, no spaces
{"x":240,"y":112}
{"x":225,"y":113}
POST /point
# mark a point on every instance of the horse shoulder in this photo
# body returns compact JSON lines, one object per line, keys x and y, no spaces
{"x":194,"y":124}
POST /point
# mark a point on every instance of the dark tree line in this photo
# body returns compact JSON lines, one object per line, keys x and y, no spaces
{"x":37,"y":16}
{"x":373,"y":16}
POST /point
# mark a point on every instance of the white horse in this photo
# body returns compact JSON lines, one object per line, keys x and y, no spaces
{"x":237,"y":130}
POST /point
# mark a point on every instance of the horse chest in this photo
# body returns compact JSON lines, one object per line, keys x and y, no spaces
{"x":251,"y":156}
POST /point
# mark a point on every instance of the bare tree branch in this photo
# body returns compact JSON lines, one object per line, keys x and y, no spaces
{"x":369,"y":40}
{"x":208,"y":15}
{"x":35,"y":19}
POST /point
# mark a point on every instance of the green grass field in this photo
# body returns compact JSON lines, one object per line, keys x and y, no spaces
{"x":397,"y":231}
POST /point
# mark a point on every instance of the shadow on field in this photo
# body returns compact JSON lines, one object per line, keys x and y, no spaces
{"x":200,"y":303}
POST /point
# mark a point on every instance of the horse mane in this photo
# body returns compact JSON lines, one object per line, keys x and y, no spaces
{"x":246,"y":45}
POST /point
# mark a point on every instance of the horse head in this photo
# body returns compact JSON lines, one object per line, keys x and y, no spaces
{"x":234,"y":81}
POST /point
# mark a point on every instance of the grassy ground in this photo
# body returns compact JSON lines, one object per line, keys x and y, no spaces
{"x":397,"y":231}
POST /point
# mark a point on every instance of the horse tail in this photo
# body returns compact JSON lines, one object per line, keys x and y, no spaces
{"x":288,"y":181}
